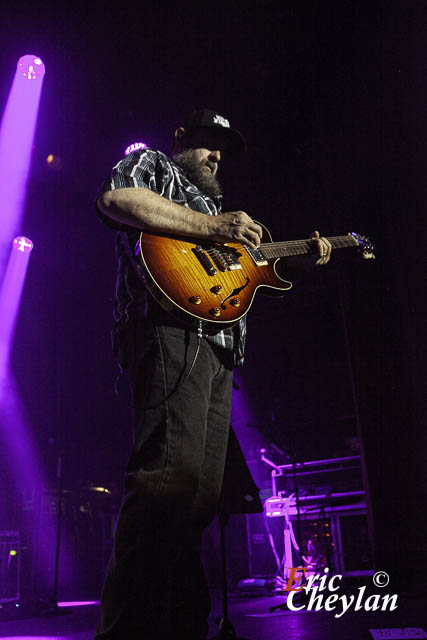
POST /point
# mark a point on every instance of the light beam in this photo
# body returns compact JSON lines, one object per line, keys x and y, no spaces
{"x":10,"y":297}
{"x":16,"y":142}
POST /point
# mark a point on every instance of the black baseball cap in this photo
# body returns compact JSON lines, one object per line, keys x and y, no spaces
{"x":209,"y":119}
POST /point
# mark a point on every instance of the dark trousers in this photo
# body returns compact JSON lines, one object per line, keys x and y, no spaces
{"x":155,"y":586}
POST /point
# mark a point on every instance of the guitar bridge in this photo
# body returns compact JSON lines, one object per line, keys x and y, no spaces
{"x":204,"y":259}
{"x":226,"y":258}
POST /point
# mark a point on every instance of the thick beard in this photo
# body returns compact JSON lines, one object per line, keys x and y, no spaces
{"x":204,"y":180}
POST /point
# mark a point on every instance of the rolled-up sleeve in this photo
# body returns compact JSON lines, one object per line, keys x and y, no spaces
{"x":146,"y":169}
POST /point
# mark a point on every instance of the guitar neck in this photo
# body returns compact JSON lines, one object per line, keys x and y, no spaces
{"x":302,"y":247}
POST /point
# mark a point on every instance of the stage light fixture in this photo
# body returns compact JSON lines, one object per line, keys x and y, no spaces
{"x":31,"y":67}
{"x":16,"y":145}
{"x":134,"y":147}
{"x":23,"y":244}
{"x":17,"y":130}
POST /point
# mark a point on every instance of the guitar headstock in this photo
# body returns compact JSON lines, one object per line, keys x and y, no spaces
{"x":366,"y":247}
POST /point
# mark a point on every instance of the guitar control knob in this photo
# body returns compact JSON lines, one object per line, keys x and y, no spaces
{"x":196,"y":299}
{"x":215,"y":311}
{"x":235,"y":302}
{"x":217,"y":288}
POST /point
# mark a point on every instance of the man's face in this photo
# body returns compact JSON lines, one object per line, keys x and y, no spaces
{"x":201,"y":157}
{"x":207,"y":148}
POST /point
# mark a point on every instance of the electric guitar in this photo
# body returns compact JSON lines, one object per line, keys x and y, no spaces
{"x":214,"y":284}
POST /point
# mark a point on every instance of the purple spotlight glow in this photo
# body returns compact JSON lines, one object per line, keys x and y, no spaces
{"x":10,"y":296}
{"x":23,"y":244}
{"x":16,"y":142}
{"x":79,"y":603}
{"x":15,"y":436}
{"x":31,"y":67}
{"x":134,"y":147}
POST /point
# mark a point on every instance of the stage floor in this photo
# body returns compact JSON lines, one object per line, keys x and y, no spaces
{"x":250,"y":617}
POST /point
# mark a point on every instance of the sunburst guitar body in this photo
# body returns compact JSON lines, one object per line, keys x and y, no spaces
{"x":211,"y":285}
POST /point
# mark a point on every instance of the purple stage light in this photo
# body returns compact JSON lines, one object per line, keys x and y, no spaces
{"x":16,"y":142}
{"x":15,"y":434}
{"x":31,"y":67}
{"x":134,"y":147}
{"x":23,"y":244}
{"x":10,"y":296}
{"x":23,"y":457}
{"x":79,"y":603}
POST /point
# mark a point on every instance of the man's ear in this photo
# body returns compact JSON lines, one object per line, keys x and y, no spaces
{"x":179,"y":136}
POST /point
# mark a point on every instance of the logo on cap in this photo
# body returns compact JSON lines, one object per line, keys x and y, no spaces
{"x":222,"y":121}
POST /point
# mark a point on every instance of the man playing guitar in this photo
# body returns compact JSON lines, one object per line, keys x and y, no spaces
{"x":181,"y":380}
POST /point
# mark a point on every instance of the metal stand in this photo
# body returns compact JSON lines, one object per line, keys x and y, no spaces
{"x":300,"y":595}
{"x":58,"y":530}
{"x":50,"y":608}
{"x":226,"y":630}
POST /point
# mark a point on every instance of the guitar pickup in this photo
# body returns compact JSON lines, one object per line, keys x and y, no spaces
{"x":225,"y":258}
{"x":204,"y":259}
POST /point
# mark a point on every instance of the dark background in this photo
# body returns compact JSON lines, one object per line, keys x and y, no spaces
{"x":331,"y":98}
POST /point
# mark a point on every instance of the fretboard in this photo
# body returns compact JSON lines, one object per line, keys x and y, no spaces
{"x":301,"y":247}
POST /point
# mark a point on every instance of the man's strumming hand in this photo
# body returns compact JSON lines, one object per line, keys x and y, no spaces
{"x":235,"y":226}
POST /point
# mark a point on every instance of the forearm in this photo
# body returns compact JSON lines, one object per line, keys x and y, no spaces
{"x":146,"y":210}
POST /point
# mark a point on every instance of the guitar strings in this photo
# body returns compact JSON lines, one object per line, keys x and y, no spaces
{"x":346,"y":240}
{"x":299,"y":247}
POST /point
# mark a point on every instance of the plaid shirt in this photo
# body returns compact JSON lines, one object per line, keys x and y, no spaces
{"x":153,"y":170}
